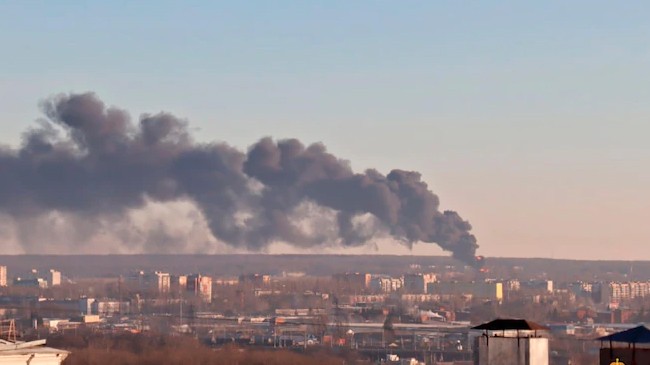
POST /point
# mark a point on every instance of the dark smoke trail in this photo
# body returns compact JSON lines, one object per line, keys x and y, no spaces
{"x":91,"y":160}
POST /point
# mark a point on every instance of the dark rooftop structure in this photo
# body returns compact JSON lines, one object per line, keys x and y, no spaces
{"x":640,"y":334}
{"x":511,"y":324}
{"x":629,"y":353}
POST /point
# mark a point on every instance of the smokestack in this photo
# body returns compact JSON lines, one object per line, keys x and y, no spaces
{"x":91,"y":161}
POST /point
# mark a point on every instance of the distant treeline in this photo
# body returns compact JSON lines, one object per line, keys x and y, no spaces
{"x":318,"y":265}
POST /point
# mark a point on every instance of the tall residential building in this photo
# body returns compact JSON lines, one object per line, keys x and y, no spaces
{"x":53,"y":278}
{"x":255,"y":279}
{"x":386,"y":284}
{"x":153,"y":282}
{"x":182,"y":281}
{"x":3,"y":276}
{"x":512,"y":285}
{"x":417,"y":283}
{"x":201,"y":286}
{"x":354,"y":280}
{"x":618,"y":291}
{"x":162,"y":281}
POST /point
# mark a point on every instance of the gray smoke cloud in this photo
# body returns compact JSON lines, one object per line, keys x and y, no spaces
{"x":90,"y":160}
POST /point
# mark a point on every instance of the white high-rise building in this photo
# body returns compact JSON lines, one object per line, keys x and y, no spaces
{"x":3,"y":276}
{"x":53,"y":278}
{"x":162,"y":281}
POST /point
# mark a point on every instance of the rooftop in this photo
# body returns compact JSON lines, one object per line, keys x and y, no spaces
{"x":511,"y":324}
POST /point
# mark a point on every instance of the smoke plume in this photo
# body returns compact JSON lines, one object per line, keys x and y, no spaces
{"x":91,"y":163}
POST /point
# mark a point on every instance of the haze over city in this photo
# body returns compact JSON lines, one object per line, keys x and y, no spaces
{"x":529,"y":120}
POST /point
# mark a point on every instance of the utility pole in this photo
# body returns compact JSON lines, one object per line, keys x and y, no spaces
{"x":181,"y":310}
{"x":305,"y":338}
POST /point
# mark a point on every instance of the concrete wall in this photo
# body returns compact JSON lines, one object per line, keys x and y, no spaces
{"x":512,"y":351}
{"x":538,"y":351}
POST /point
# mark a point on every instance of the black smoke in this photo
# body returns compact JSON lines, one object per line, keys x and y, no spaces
{"x":91,"y":160}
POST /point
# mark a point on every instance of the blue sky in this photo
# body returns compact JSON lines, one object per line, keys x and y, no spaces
{"x":529,"y":118}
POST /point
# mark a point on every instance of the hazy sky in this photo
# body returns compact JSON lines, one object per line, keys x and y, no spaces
{"x":531,"y":119}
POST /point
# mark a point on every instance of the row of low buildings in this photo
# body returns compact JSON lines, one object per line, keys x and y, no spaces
{"x":157,"y":282}
{"x":46,"y":307}
{"x":162,"y":283}
{"x":427,"y":283}
{"x":33,"y":279}
{"x":627,"y":290}
{"x":412,"y":283}
{"x":447,"y":291}
{"x":612,"y":292}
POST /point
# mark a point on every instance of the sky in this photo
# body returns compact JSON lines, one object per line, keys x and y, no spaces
{"x":528,"y":118}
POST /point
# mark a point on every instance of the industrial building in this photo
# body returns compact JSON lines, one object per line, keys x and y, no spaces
{"x":33,"y":279}
{"x":107,"y":307}
{"x":30,"y":282}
